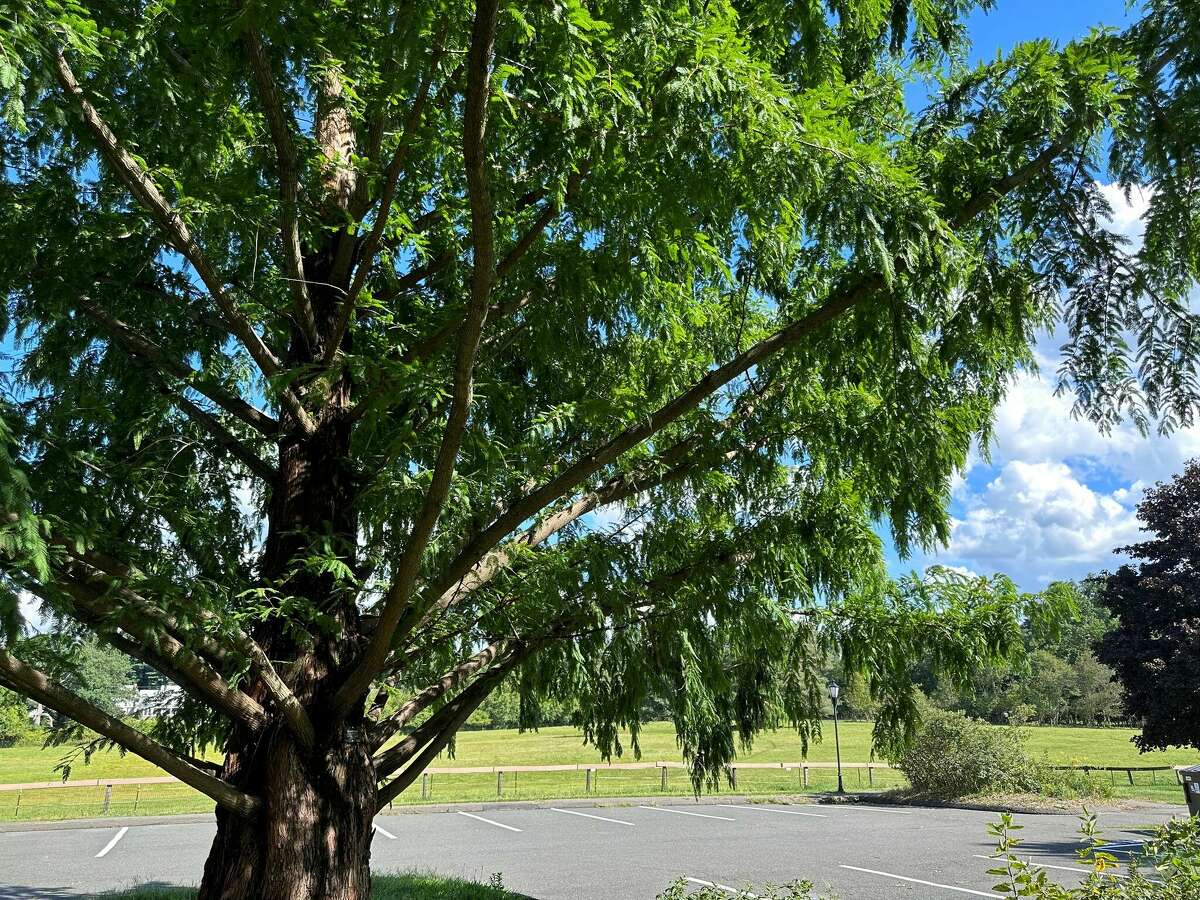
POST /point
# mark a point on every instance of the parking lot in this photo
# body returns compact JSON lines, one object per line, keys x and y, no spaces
{"x":592,"y":852}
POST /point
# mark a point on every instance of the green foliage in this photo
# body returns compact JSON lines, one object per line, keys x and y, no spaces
{"x":1154,"y":645}
{"x":1167,"y":868}
{"x":955,"y":756}
{"x":744,"y":306}
{"x":681,"y":889}
{"x":15,"y":727}
{"x":410,"y":886}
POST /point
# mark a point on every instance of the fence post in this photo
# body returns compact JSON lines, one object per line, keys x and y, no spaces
{"x":107,"y":799}
{"x":733,"y":777}
{"x":136,"y":796}
{"x":587,"y":781}
{"x":424,"y":785}
{"x":17,"y":811}
{"x":870,"y":776}
{"x":499,"y":782}
{"x":804,"y":774}
{"x":1129,"y":772}
{"x":664,"y":778}
{"x":1153,"y":777}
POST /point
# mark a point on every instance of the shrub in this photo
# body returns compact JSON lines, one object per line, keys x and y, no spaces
{"x":1172,"y":856}
{"x":955,"y":756}
{"x":15,"y":727}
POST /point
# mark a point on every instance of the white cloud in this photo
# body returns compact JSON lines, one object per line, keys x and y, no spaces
{"x":1039,"y":521}
{"x":1057,"y":495}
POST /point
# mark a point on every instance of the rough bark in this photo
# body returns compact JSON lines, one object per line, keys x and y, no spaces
{"x":312,"y":840}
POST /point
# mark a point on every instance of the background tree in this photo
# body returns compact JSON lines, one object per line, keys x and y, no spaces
{"x":366,"y":350}
{"x":1155,"y":647}
{"x":1056,"y":680}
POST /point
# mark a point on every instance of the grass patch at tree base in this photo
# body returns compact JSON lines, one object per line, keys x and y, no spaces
{"x":402,"y":886}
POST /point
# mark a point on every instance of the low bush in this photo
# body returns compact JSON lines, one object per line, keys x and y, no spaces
{"x":955,"y":756}
{"x":1168,"y":868}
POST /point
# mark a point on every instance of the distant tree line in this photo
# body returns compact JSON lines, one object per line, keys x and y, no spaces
{"x":1058,"y":681}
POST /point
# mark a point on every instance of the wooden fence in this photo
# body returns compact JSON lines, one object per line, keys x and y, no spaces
{"x":588,"y":771}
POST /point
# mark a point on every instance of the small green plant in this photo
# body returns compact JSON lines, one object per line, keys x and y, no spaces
{"x":1172,"y":854}
{"x":794,"y":890}
{"x":496,"y":882}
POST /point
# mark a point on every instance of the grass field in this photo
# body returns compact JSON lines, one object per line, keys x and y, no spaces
{"x":1060,"y":746}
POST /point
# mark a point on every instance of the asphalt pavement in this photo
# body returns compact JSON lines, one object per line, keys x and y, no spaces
{"x":583,"y":851}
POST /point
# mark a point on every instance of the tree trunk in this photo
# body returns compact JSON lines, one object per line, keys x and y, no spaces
{"x":313,"y":840}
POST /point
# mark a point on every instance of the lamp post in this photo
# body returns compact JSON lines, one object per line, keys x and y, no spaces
{"x":834,"y":690}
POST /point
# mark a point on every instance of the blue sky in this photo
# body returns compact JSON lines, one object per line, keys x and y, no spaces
{"x":1056,"y":496}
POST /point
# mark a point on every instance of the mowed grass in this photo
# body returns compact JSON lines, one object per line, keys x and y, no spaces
{"x":549,"y":746}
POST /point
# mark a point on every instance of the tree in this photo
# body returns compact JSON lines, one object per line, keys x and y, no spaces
{"x":368,"y":350}
{"x":1155,"y":646}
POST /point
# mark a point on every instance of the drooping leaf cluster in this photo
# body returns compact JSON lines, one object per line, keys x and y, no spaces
{"x":719,"y":231}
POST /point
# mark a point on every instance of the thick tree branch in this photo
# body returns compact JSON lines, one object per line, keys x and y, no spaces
{"x":281,"y":128}
{"x":188,"y":665}
{"x":391,"y":179}
{"x":438,"y":729}
{"x":149,"y":352}
{"x":855,"y":289}
{"x":671,"y":465}
{"x":37,"y":686}
{"x":434,"y":692}
{"x":225,"y":437}
{"x":260,"y":665}
{"x":482,"y":278}
{"x":142,"y":186}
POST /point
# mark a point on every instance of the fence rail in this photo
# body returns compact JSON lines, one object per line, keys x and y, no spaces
{"x":97,"y":795}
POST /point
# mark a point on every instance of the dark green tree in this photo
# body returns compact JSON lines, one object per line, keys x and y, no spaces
{"x":367,"y":349}
{"x":1155,"y":646}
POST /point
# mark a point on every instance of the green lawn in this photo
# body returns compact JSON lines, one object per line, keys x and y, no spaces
{"x":1063,"y":746}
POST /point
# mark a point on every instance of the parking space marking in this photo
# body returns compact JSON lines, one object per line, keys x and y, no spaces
{"x":387,"y":834}
{"x":489,"y":821}
{"x":575,"y":812}
{"x":116,"y":837}
{"x":774,"y":809}
{"x":947,"y":887}
{"x":684,"y":812}
{"x":718,"y":886}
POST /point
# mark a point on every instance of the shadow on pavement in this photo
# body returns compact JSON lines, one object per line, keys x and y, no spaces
{"x":151,"y":890}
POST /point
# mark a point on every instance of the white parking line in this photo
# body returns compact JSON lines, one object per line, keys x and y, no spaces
{"x":684,"y":812}
{"x":947,"y":887}
{"x":718,"y":885}
{"x":387,"y":834}
{"x":489,"y":821}
{"x":120,"y":834}
{"x":774,"y":809}
{"x":575,"y":812}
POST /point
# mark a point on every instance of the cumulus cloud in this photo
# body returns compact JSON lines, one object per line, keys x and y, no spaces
{"x":1057,"y":496}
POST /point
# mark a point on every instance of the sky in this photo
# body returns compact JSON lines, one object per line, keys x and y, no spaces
{"x":1056,"y":497}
